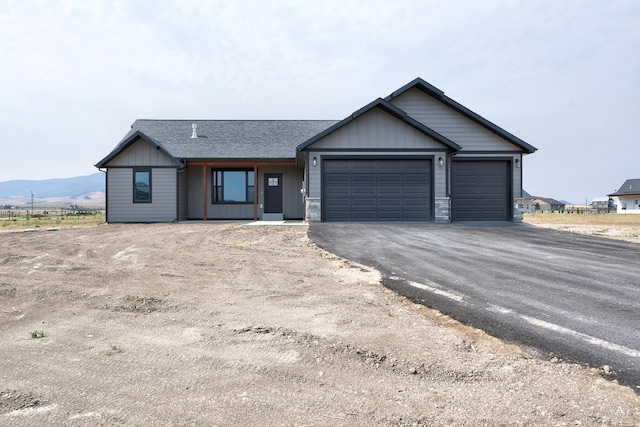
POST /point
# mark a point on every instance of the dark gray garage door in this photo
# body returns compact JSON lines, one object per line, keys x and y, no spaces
{"x":480,"y":191}
{"x":376,"y":190}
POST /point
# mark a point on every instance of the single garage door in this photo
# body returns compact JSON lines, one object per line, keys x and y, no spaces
{"x":480,"y":191}
{"x":376,"y":190}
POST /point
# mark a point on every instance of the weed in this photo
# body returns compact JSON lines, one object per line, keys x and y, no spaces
{"x":525,"y":356}
{"x":115,"y":348}
{"x":38,"y":334}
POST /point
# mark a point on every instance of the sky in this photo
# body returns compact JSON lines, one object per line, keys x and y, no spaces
{"x":564,"y":76}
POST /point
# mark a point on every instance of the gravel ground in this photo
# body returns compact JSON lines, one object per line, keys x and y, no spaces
{"x":233,"y":324}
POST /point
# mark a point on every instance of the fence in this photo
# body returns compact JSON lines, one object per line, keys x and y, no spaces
{"x":47,"y":213}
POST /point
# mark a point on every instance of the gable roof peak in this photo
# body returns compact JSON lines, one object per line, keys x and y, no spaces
{"x":421,"y":84}
{"x":391,"y":109}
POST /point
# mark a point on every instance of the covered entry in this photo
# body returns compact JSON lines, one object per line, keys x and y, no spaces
{"x":377,"y":190}
{"x":480,"y":190}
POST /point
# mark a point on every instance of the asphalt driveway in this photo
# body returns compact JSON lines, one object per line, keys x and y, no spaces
{"x":567,"y":296}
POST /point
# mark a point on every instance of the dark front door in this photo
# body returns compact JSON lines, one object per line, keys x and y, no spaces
{"x":273,"y":193}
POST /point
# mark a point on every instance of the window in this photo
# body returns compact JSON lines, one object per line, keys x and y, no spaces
{"x":142,"y":185}
{"x":233,"y":186}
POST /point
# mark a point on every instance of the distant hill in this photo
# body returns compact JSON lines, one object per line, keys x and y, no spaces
{"x":48,"y":188}
{"x":86,"y":191}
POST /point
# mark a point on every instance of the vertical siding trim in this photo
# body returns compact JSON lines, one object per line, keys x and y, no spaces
{"x":255,"y":192}
{"x":204,"y":192}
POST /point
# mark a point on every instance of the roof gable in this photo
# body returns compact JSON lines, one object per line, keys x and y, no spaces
{"x":389,"y":108}
{"x":436,"y":93}
{"x":131,"y":139}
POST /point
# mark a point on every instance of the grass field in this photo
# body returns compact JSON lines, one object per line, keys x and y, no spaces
{"x":614,"y":226}
{"x":25,"y":223}
{"x":582,"y":219}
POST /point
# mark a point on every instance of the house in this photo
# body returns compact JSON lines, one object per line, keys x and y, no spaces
{"x":628,"y":197}
{"x":525,"y":203}
{"x":603,"y":204}
{"x":530,"y":204}
{"x":416,"y":155}
{"x":546,"y":204}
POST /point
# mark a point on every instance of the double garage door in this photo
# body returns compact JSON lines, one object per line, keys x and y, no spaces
{"x":376,"y":190}
{"x":401,"y":190}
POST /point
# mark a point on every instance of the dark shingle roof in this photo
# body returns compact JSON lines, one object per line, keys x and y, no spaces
{"x":224,"y":139}
{"x":630,"y":187}
{"x":439,"y":95}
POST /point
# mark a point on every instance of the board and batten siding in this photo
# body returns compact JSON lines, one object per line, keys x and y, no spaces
{"x":377,"y":129}
{"x":141,"y":153}
{"x":450,"y":123}
{"x":120,"y":196}
{"x":315,"y":179}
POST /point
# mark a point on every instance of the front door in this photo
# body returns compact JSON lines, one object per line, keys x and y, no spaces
{"x":273,"y":193}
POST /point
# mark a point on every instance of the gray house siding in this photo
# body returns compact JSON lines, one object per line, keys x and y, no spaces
{"x":140,"y":153}
{"x":183,"y":192}
{"x":377,"y":129}
{"x":453,"y":125}
{"x":120,"y":196}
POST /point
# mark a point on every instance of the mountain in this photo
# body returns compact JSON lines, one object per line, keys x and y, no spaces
{"x":54,"y":188}
{"x":85,"y":191}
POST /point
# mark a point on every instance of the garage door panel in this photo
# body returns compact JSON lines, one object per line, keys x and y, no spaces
{"x":377,"y":190}
{"x":480,"y":190}
{"x":360,"y":215}
{"x":362,"y":190}
{"x":363,"y":203}
{"x":389,"y":191}
{"x":389,"y":179}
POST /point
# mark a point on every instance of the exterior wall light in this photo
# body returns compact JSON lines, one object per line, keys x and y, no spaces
{"x":517,"y":163}
{"x":315,"y":161}
{"x":440,"y":161}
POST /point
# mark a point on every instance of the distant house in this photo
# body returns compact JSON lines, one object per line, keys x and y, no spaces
{"x":531,"y":204}
{"x":524,"y":204}
{"x":416,"y":155}
{"x":547,"y":204}
{"x":628,"y":197}
{"x":603,"y":204}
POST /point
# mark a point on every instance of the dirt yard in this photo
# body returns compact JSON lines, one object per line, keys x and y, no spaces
{"x":240,"y":325}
